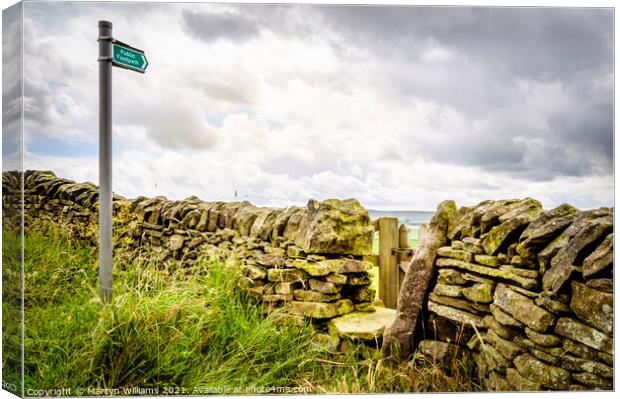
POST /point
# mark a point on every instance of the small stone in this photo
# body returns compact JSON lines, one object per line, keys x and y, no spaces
{"x":494,"y":359}
{"x":312,"y":268}
{"x":518,"y":261}
{"x":336,"y":278}
{"x":365,"y":307}
{"x":325,"y":342}
{"x":270,"y":260}
{"x":487,"y":271}
{"x":448,"y":290}
{"x":521,"y":383}
{"x":362,"y":294}
{"x":507,"y":348}
{"x":522,"y":308}
{"x":520,"y":272}
{"x":587,"y":335}
{"x":503,"y":317}
{"x":601,"y":284}
{"x":317,"y":310}
{"x":277,"y":298}
{"x":473,"y":245}
{"x":601,"y":258}
{"x":294,"y":252}
{"x":556,"y":307}
{"x":544,"y":356}
{"x":176,"y":242}
{"x":314,"y":296}
{"x":479,"y":292}
{"x":593,"y":381}
{"x":358,"y":279}
{"x":456,"y":244}
{"x":577,"y":364}
{"x":448,"y":252}
{"x":548,"y":340}
{"x":450,"y":277}
{"x":523,"y":291}
{"x":579,"y":349}
{"x":285,"y":275}
{"x":501,"y":330}
{"x":254,"y":272}
{"x":438,"y":351}
{"x":455,"y":303}
{"x":605,"y":357}
{"x":487,"y":260}
{"x":284,"y":288}
{"x":538,"y":371}
{"x":347,"y":265}
{"x":324,"y":286}
{"x":593,"y":307}
{"x":455,"y":314}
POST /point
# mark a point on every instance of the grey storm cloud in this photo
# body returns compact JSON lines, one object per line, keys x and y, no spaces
{"x":210,"y":27}
{"x":495,"y":50}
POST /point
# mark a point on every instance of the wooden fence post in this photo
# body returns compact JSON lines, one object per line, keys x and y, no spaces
{"x":403,"y":242}
{"x":388,"y":262}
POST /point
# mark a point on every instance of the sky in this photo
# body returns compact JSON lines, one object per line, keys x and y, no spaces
{"x":398,"y":107}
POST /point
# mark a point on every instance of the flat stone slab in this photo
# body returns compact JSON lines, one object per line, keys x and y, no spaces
{"x":366,"y":326}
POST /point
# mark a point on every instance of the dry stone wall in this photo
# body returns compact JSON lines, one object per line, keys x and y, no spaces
{"x":529,"y":293}
{"x":309,"y":259}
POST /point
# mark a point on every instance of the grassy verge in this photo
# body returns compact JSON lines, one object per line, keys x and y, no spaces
{"x":181,"y":331}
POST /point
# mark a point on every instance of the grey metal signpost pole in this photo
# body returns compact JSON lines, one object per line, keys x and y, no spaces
{"x":105,"y":160}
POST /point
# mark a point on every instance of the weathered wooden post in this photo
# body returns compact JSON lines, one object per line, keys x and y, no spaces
{"x":388,"y":261}
{"x":403,"y":243}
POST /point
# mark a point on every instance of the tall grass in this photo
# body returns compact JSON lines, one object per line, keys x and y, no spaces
{"x":177,"y":329}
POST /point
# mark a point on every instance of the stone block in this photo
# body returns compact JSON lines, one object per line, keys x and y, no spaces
{"x":448,"y":252}
{"x":312,"y":268}
{"x":542,"y":373}
{"x":577,"y":331}
{"x":456,"y":315}
{"x":522,"y":308}
{"x":488,"y":271}
{"x":365,"y":326}
{"x":315,"y":296}
{"x":448,"y":290}
{"x":593,"y":307}
{"x":336,"y":227}
{"x":285,"y":275}
{"x":318,"y":310}
{"x":479,"y":293}
{"x":487,"y":260}
{"x":520,"y":383}
{"x":324,"y":286}
{"x":438,"y":351}
{"x":601,"y":258}
{"x":548,"y":340}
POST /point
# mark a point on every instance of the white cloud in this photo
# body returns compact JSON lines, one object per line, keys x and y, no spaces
{"x":281,"y":117}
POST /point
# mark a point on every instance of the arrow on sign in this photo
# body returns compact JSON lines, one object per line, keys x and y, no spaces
{"x":128,"y":57}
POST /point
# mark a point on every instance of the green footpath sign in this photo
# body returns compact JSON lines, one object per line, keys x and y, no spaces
{"x":130,"y":58}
